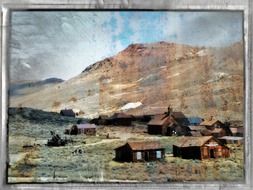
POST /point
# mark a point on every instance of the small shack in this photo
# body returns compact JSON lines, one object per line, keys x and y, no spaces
{"x":121,"y":119}
{"x":68,"y":113}
{"x":140,"y":151}
{"x":200,"y":148}
{"x":87,"y":129}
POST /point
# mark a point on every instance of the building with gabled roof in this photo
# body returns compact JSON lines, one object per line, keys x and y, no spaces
{"x":211,"y":123}
{"x":164,"y":124}
{"x":68,"y":113}
{"x":134,"y":151}
{"x":204,"y":147}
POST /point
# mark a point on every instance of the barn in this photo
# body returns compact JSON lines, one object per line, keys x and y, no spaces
{"x":135,"y":151}
{"x":68,"y":113}
{"x":205,"y":147}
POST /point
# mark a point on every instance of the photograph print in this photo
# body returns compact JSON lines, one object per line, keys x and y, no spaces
{"x":125,"y":96}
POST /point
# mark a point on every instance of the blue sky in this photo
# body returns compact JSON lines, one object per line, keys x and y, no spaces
{"x":62,"y":44}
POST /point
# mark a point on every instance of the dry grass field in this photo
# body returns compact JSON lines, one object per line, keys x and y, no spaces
{"x":30,"y":160}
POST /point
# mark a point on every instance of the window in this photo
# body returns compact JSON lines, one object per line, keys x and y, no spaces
{"x":158,"y":154}
{"x":138,"y":155}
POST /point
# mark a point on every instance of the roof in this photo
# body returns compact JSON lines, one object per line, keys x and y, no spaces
{"x":207,"y":132}
{"x":217,"y":130}
{"x":196,"y":127}
{"x":209,"y":122}
{"x":231,"y":138}
{"x":67,"y":112}
{"x":143,"y":145}
{"x":193,"y":141}
{"x":161,"y":119}
{"x":178,"y":115}
{"x":196,"y":133}
{"x":86,"y":126}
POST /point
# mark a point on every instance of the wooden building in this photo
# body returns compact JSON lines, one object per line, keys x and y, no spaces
{"x":200,"y":148}
{"x":135,"y":151}
{"x":121,"y":119}
{"x":164,"y":124}
{"x":211,"y":123}
{"x":216,"y":132}
{"x":68,"y":112}
{"x":87,"y":129}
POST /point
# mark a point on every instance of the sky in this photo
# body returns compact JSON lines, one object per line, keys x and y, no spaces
{"x":62,"y":44}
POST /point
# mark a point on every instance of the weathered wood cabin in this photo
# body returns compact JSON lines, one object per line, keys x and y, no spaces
{"x":164,"y":124}
{"x":87,"y":129}
{"x":211,"y":123}
{"x":140,"y":151}
{"x":68,"y":113}
{"x":121,"y":119}
{"x":200,"y":148}
{"x":209,"y":131}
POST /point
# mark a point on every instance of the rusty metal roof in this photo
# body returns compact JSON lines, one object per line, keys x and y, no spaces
{"x":144,"y":145}
{"x":193,"y":141}
{"x":161,"y":119}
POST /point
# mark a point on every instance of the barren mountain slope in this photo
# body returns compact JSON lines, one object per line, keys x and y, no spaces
{"x":148,"y":78}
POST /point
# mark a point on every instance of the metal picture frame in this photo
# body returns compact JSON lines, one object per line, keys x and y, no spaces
{"x":246,"y":6}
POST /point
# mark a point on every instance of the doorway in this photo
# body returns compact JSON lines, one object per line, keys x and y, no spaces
{"x":212,"y":153}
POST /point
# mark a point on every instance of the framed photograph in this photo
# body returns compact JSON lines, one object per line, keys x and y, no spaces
{"x":126,"y":94}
